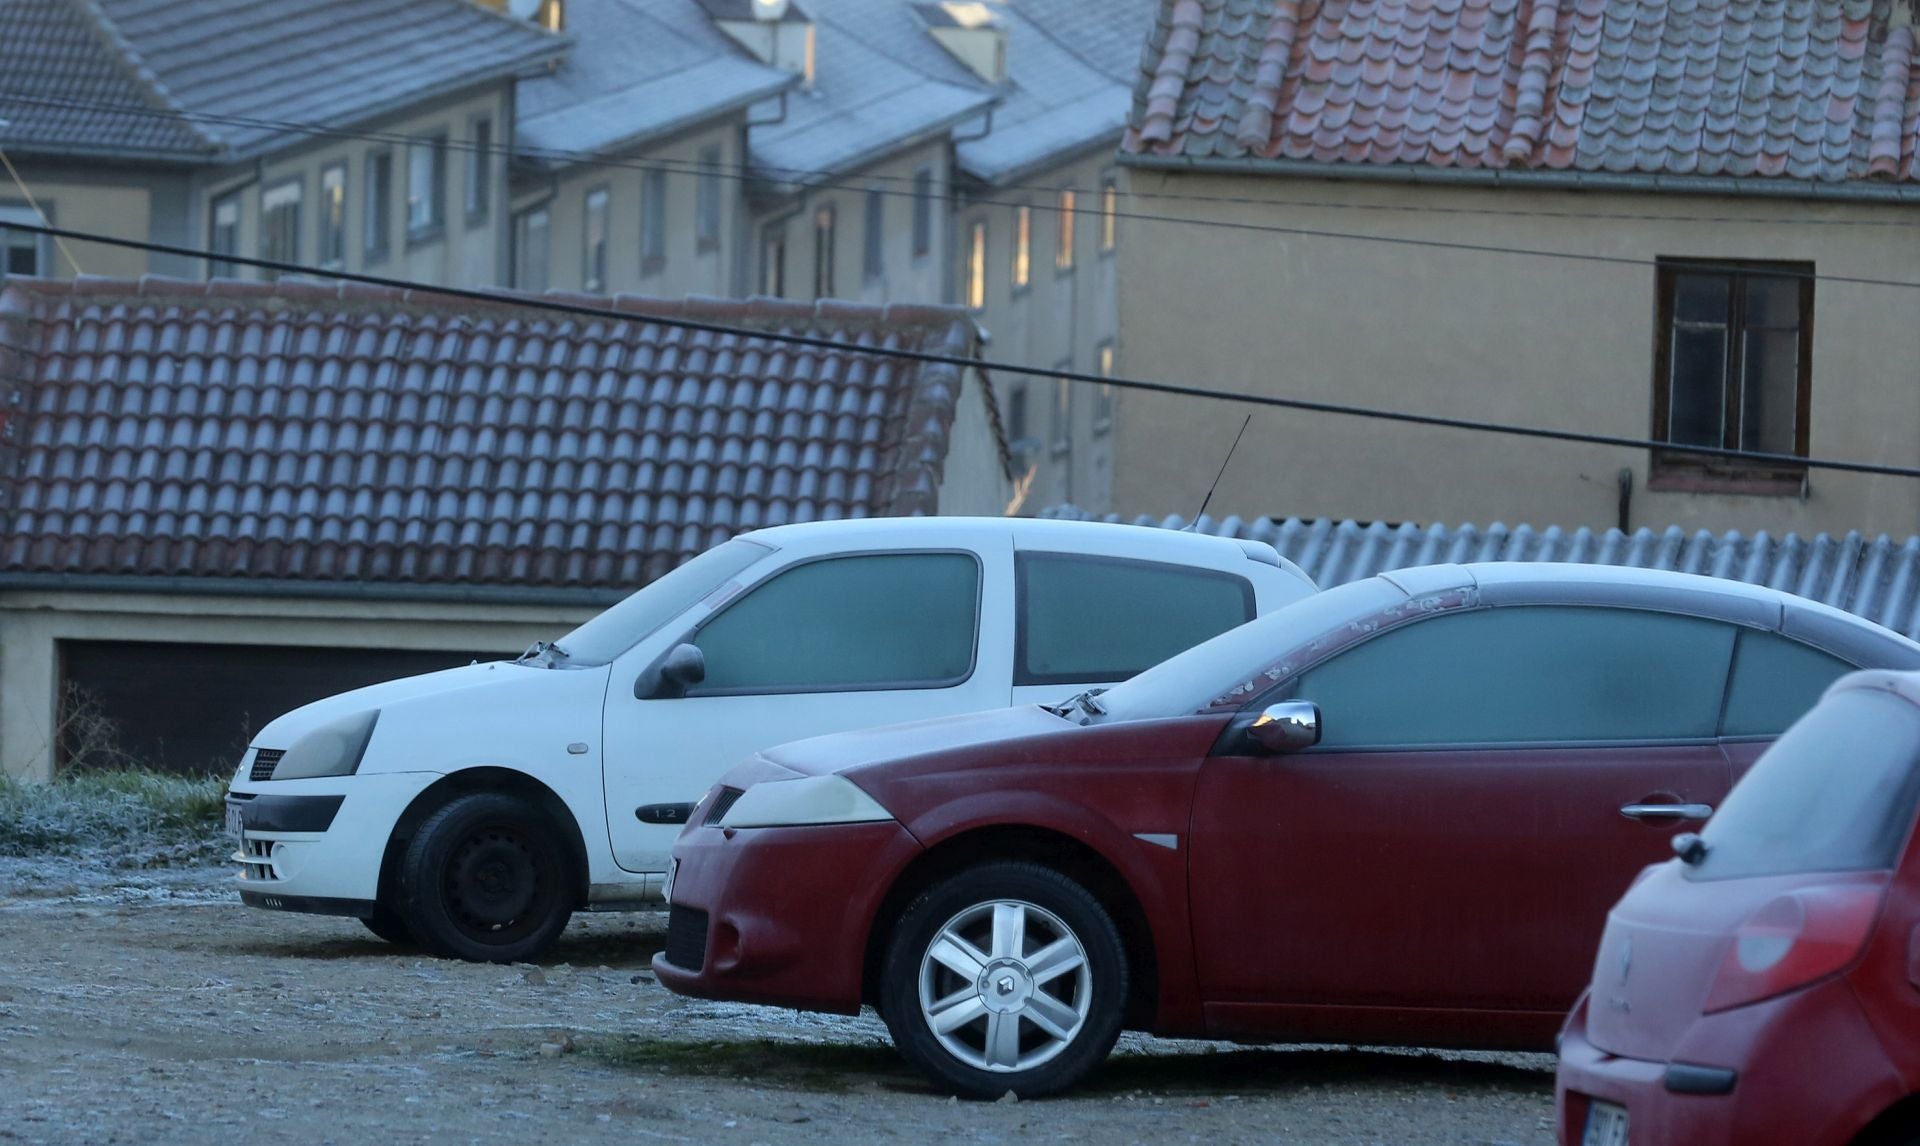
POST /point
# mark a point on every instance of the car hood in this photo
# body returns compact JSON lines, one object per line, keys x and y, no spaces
{"x":849,"y":752}
{"x":283,"y":731}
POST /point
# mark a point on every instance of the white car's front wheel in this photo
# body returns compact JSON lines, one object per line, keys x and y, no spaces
{"x":486,"y":878}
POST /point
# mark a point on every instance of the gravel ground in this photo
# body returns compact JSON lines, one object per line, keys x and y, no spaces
{"x":150,"y":1006}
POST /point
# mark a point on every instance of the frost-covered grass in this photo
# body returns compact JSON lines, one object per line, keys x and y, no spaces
{"x":126,"y":815}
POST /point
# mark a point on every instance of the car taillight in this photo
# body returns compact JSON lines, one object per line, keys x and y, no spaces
{"x":1794,"y":940}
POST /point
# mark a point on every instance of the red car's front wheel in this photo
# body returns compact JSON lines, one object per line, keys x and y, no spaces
{"x":1005,"y":976}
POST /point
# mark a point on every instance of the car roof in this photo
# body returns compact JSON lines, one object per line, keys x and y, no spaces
{"x":1026,"y":531}
{"x":1905,"y":685}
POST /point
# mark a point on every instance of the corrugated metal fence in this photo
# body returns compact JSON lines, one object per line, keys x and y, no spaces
{"x":1874,"y":577}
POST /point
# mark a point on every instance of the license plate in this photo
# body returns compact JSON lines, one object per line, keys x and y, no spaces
{"x":666,"y":889}
{"x":236,"y":823}
{"x":1606,"y":1125}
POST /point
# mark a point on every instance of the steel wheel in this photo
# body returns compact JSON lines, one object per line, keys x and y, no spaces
{"x":1005,"y":986}
{"x":486,"y":878}
{"x":492,"y":878}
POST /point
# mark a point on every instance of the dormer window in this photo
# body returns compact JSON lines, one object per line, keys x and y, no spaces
{"x":972,"y":33}
{"x":777,"y":32}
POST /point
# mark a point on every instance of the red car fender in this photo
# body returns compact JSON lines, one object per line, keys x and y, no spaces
{"x":1155,"y":874}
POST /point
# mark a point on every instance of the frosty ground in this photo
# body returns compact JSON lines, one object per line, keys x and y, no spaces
{"x":146,"y":1004}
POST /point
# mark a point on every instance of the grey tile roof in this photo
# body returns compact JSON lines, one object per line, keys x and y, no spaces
{"x":1873,"y":577}
{"x":309,"y":432}
{"x":1813,"y":90}
{"x":338,"y":63}
{"x":638,"y":69}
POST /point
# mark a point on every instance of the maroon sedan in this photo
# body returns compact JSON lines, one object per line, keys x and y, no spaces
{"x":1393,"y":812}
{"x":1765,"y":986}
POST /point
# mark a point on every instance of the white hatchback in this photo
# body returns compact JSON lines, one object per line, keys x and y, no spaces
{"x":473,"y":810}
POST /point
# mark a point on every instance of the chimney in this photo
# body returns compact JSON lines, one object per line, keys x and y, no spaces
{"x":777,"y":32}
{"x":972,"y":33}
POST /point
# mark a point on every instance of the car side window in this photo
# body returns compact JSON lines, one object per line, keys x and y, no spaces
{"x":1526,"y":674}
{"x":1775,"y":681}
{"x":878,"y":621}
{"x":1085,"y":618}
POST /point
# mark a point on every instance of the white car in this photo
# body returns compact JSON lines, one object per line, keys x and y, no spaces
{"x":473,"y":810}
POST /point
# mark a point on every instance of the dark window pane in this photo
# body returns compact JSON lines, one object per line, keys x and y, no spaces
{"x":1770,"y":391}
{"x":1087,"y":619}
{"x":1775,"y":681}
{"x":1773,"y":302}
{"x":887,"y":621}
{"x":1700,"y":298}
{"x":1526,"y":675}
{"x":1836,"y":793}
{"x":874,"y":261}
{"x":1697,"y":401}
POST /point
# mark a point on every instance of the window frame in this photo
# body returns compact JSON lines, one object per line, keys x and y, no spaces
{"x":975,"y":268}
{"x":298,"y":184}
{"x":825,"y":239}
{"x":653,"y":222}
{"x":41,"y":247}
{"x":1060,"y":420}
{"x":435,"y":227}
{"x":330,"y":235}
{"x":1103,"y":357}
{"x":973,"y":659}
{"x":1673,"y":467}
{"x":773,"y":270}
{"x":517,"y":247}
{"x":1023,"y":559}
{"x":478,"y":192}
{"x":1109,"y":213}
{"x":873,"y":255}
{"x":376,"y":230}
{"x":218,"y":267}
{"x":706,"y":203}
{"x":590,"y":281}
{"x":1020,"y":267}
{"x":923,"y":222}
{"x":1066,"y":207}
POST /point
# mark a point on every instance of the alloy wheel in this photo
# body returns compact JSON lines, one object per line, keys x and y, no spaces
{"x":1005,"y":986}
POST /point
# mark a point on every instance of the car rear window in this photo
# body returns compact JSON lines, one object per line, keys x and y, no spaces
{"x":1085,"y":619}
{"x":1836,"y":793}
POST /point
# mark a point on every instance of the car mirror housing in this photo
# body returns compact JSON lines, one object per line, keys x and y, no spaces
{"x":678,"y":669}
{"x":1287,"y":726}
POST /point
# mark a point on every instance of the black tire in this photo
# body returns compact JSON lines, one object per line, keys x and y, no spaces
{"x":389,"y":925}
{"x":962,"y":1061}
{"x":486,"y":878}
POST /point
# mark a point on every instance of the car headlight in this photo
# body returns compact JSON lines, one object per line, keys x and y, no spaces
{"x":330,"y":750}
{"x":811,"y":800}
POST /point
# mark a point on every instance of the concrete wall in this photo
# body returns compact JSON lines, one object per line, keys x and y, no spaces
{"x":1504,"y":337}
{"x":689,"y":267}
{"x":1061,"y":318}
{"x":973,"y":483}
{"x":32,"y":623}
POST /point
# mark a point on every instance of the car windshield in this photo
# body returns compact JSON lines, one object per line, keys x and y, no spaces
{"x":1836,"y":793}
{"x":1189,"y":681}
{"x":633,"y":620}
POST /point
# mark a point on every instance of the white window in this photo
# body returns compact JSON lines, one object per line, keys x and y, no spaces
{"x":1062,"y":411}
{"x":426,"y":186}
{"x":1103,"y":398}
{"x":773,"y":260}
{"x":1022,"y":246}
{"x":707,"y":208}
{"x":280,"y":224}
{"x":531,"y":250}
{"x":823,"y":242}
{"x":1063,"y":252}
{"x":480,"y":170}
{"x":224,"y":236}
{"x":333,"y":216}
{"x":379,"y":204}
{"x":922,"y":212}
{"x":1109,"y":213}
{"x":976,"y":264}
{"x":594,"y":275}
{"x":874,"y":262}
{"x":21,"y":252}
{"x":653,"y":222}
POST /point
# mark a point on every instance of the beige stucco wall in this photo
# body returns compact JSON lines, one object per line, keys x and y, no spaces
{"x":689,"y":268}
{"x":32,"y":623}
{"x":100,"y":206}
{"x":904,"y":276}
{"x":1512,"y":338}
{"x":973,"y":482}
{"x":1060,"y":319}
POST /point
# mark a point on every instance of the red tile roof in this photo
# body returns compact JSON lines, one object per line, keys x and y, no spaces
{"x":1808,"y":89}
{"x":321,"y":433}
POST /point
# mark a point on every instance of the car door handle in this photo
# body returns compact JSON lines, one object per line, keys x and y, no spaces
{"x":1666,"y":811}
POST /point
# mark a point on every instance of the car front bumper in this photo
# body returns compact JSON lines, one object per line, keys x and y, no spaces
{"x":779,"y":915}
{"x":317,"y":845}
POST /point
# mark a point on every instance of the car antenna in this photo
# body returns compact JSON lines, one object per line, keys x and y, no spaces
{"x":1205,"y":501}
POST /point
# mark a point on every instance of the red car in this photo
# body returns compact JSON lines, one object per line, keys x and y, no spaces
{"x":1392,"y":812}
{"x":1765,"y":986}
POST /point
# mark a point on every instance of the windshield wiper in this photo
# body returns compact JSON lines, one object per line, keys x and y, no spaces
{"x":1088,"y":700}
{"x":541,"y":651}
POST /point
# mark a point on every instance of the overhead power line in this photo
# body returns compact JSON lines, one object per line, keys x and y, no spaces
{"x":559,"y":306}
{"x":870,"y":183}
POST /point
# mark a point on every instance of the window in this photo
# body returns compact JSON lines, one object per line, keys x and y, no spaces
{"x":333,"y":216}
{"x":873,"y":259}
{"x":1149,"y":612}
{"x":922,"y":212}
{"x":1063,"y":251}
{"x":823,"y":253}
{"x":532,"y":249}
{"x":653,"y":222}
{"x":1733,"y":367}
{"x":1109,"y":213}
{"x":224,"y":237}
{"x":976,"y":264}
{"x":1022,"y":247}
{"x":1062,"y":428}
{"x":1526,"y":674}
{"x":426,"y":187}
{"x":1775,"y":681}
{"x":1017,"y":416}
{"x":379,"y":204}
{"x":1103,"y":398}
{"x":707,"y":208}
{"x":886,"y":621}
{"x":773,"y":260}
{"x":593,"y":266}
{"x":23,"y":251}
{"x":480,"y":171}
{"x":280,"y":224}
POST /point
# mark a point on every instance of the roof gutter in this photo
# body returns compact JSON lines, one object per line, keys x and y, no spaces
{"x":309,"y":590}
{"x":1759,"y":187}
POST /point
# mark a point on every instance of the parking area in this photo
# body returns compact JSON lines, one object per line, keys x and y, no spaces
{"x":151,"y":1006}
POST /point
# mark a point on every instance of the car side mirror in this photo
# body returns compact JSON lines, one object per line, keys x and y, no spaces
{"x":1287,"y":726}
{"x":669,"y":678}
